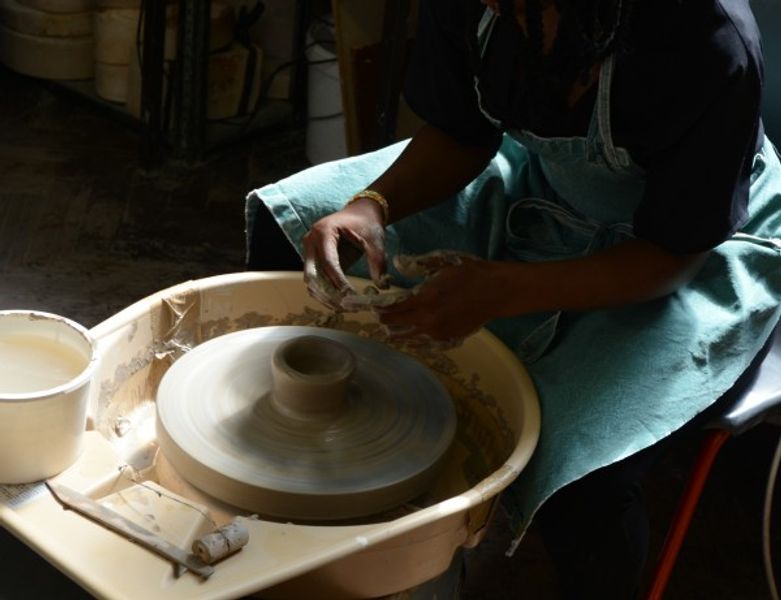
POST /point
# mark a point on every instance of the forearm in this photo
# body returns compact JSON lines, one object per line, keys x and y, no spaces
{"x":432,"y":167}
{"x":630,"y":272}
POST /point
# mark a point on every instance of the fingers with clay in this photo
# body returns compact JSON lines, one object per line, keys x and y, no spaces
{"x":336,"y":242}
{"x":425,"y":265}
{"x":319,"y":287}
{"x":450,"y":304}
{"x":409,"y":266}
{"x":371,"y":298}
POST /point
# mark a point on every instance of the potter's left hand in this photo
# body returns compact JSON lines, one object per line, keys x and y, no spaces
{"x":455,"y":300}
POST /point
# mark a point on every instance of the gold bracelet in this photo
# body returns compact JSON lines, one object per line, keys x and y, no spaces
{"x":376,"y":197}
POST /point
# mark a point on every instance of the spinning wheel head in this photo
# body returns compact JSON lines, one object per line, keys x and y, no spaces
{"x":304,"y":423}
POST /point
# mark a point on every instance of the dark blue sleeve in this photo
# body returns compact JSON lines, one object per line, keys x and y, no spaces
{"x":439,"y":85}
{"x":698,"y":178}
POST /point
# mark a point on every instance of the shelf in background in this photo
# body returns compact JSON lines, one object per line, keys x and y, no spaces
{"x":219,"y":133}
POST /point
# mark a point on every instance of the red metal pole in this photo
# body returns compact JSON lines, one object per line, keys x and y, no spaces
{"x":683,"y":516}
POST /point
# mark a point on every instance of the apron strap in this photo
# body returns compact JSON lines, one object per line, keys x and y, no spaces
{"x":484,"y":30}
{"x":600,"y":133}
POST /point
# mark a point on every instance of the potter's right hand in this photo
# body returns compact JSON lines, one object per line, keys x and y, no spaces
{"x":337,"y":241}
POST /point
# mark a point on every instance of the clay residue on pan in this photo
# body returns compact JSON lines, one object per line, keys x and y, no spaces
{"x":133,"y":383}
{"x":483,"y":438}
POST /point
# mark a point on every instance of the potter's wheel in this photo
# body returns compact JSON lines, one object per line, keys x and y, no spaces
{"x":304,"y":423}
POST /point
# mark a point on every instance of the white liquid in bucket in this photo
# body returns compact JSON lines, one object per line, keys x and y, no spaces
{"x":30,"y":363}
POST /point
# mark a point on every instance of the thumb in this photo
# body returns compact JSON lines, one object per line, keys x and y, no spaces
{"x":375,"y":259}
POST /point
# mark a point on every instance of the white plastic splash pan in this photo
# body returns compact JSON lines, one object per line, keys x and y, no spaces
{"x":498,"y":428}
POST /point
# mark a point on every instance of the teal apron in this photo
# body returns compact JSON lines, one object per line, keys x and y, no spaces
{"x":594,"y":191}
{"x":611,"y":382}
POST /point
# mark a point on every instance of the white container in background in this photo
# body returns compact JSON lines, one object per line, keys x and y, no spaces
{"x":59,"y":6}
{"x":111,"y":81}
{"x":326,"y":138}
{"x":23,"y":19}
{"x":46,"y":363}
{"x":115,"y":30}
{"x":59,"y":58}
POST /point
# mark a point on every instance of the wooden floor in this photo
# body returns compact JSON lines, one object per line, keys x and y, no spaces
{"x":84,"y":232}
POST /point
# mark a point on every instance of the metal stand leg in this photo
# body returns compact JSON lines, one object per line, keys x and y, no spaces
{"x":152,"y":57}
{"x":298,"y":92}
{"x":683,"y":516}
{"x":192,"y":63}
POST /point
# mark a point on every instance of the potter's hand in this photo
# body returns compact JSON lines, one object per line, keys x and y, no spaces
{"x":455,"y":300}
{"x":337,"y":241}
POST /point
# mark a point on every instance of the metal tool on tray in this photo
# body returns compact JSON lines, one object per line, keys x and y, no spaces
{"x":114,"y":521}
